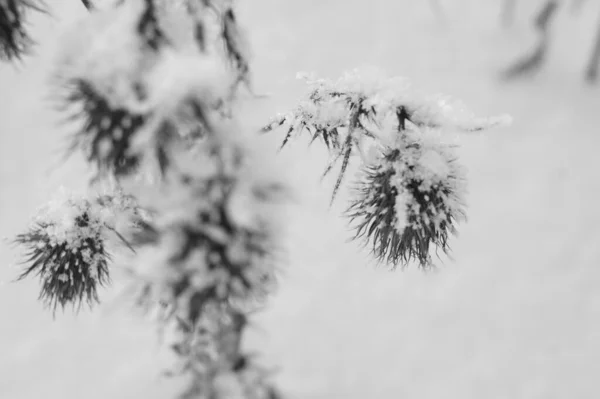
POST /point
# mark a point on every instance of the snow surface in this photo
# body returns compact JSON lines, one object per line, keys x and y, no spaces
{"x":515,"y":314}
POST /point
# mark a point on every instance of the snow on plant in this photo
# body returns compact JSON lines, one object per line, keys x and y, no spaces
{"x":208,"y":255}
{"x":157,"y":77}
{"x":345,"y":114}
{"x":66,"y":246}
{"x":212,"y":357}
{"x":108,"y":98}
{"x":154,"y":83}
{"x":409,"y":198}
{"x":400,"y":209}
{"x":176,"y":108}
{"x":14,"y":39}
{"x":214,"y":28}
{"x":147,"y":93}
{"x":205,"y":234}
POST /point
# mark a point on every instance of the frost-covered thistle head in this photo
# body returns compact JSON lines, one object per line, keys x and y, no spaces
{"x":66,"y":247}
{"x":14,"y":39}
{"x":402,"y":205}
{"x":353,"y":112}
{"x":158,"y":89}
{"x":107,"y":98}
{"x":410,"y":199}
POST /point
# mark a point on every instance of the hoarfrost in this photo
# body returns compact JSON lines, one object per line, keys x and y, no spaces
{"x":384,"y":95}
{"x":59,"y":220}
{"x":432,"y":163}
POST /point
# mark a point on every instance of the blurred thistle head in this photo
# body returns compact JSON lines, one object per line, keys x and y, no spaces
{"x":66,"y":247}
{"x":130,"y":111}
{"x":106,"y":130}
{"x":411,"y":198}
{"x":14,"y":39}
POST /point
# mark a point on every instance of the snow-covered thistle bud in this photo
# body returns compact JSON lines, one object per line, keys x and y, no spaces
{"x":410,"y":199}
{"x":14,"y":39}
{"x":66,"y":246}
{"x":355,"y":111}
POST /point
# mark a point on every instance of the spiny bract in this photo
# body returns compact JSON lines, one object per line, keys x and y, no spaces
{"x":66,"y":248}
{"x":410,"y":199}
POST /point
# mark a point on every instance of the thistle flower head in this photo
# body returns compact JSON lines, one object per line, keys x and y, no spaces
{"x":14,"y":39}
{"x":155,"y":93}
{"x":409,"y":199}
{"x":66,"y":247}
{"x":106,"y":131}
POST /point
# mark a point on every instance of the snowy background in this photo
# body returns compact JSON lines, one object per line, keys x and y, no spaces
{"x":515,"y":314}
